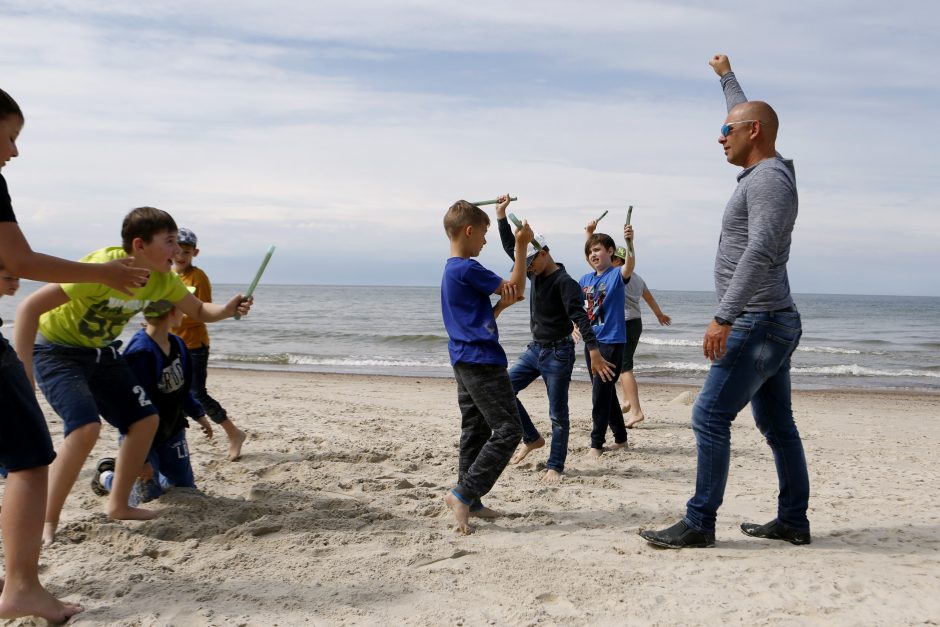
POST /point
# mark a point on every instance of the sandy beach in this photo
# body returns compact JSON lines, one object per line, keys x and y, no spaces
{"x":334,"y":516}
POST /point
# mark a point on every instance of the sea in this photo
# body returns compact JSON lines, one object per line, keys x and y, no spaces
{"x":849,"y":342}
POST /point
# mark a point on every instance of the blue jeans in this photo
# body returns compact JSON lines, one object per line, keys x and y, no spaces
{"x":553,"y":361}
{"x":171,"y":469}
{"x":755,"y":369}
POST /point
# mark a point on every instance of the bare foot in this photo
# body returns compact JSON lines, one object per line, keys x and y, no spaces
{"x":36,"y":601}
{"x":625,"y":407}
{"x":595,"y":453}
{"x":48,"y":533}
{"x":617,"y":446}
{"x":525,"y":449}
{"x":552,"y":476}
{"x":634,"y":420}
{"x":131,"y":513}
{"x":485,"y":512}
{"x":461,"y":513}
{"x":235,"y":445}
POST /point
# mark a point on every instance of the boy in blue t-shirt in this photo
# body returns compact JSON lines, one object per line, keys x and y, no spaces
{"x":490,"y":429}
{"x":603,"y":292}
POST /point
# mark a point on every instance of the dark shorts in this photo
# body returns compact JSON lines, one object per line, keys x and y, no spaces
{"x":83,"y":383}
{"x":634,"y":330}
{"x":24,"y":436}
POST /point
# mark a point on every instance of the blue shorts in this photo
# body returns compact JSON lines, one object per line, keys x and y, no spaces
{"x":24,"y":436}
{"x":83,"y":383}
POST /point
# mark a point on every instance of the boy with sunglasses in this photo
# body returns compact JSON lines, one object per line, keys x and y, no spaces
{"x":554,"y":304}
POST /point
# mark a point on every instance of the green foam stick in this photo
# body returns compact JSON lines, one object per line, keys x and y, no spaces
{"x":495,"y":201}
{"x":512,"y":218}
{"x":627,"y":223}
{"x":254,"y":282}
{"x":601,"y":218}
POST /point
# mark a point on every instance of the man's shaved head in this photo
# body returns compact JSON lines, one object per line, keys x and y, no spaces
{"x":757,"y":110}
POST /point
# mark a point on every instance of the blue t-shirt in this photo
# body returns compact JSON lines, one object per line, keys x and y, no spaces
{"x":468,"y":314}
{"x":603,"y":301}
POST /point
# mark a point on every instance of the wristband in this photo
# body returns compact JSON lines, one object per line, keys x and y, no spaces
{"x":723,"y":322}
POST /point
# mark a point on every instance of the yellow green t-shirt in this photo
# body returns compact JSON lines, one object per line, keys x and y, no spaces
{"x":96,"y":314}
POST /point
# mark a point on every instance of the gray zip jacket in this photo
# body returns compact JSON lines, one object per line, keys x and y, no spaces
{"x":751,"y":263}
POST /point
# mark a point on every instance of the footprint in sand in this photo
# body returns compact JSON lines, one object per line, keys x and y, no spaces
{"x":557,"y":606}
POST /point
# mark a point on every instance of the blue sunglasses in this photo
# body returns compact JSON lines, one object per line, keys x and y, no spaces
{"x":726,"y":128}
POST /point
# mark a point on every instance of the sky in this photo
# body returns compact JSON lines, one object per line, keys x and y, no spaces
{"x":341,"y":131}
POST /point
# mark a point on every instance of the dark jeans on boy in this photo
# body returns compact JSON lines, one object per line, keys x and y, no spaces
{"x":553,"y":361}
{"x":756,"y":369}
{"x":490,"y":430}
{"x":606,"y":410}
{"x":214,"y":409}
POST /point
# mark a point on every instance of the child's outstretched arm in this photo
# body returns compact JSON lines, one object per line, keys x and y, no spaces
{"x":44,"y":299}
{"x":213,"y":312}
{"x":21,"y":260}
{"x":627,"y":270}
{"x":664,"y":320}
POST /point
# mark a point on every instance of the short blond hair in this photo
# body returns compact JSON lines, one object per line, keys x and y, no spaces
{"x":461,"y":215}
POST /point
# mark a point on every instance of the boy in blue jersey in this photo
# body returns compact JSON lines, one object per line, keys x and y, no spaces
{"x":490,"y":429}
{"x":164,"y":367}
{"x":603,"y":292}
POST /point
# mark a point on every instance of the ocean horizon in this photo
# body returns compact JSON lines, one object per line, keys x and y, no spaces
{"x":849,"y":341}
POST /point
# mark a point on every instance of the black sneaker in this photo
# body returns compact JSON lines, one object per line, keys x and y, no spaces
{"x":776,"y":530}
{"x":679,"y":536}
{"x":105,"y":464}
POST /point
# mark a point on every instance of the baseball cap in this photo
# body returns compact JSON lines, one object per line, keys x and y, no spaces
{"x":185,"y":236}
{"x":531,"y":250}
{"x":621,"y":252}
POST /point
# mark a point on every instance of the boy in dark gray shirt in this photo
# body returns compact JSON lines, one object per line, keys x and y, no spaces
{"x":755,"y":331}
{"x":555,"y":302}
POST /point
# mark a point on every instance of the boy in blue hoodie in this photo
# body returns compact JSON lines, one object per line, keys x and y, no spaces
{"x":162,"y":364}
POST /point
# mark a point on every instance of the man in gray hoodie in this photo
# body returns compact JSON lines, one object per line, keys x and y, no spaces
{"x":754,"y":332}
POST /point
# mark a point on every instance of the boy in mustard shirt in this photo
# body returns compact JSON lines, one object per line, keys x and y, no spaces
{"x":196,"y":336}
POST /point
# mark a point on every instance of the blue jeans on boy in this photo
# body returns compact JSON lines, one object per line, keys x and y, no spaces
{"x":171,"y":469}
{"x":553,"y":361}
{"x":755,"y":369}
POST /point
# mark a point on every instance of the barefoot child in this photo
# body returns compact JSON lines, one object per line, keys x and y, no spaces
{"x":25,"y":446}
{"x":603,"y":299}
{"x":634,"y":290}
{"x":490,"y":427}
{"x":554,"y":303}
{"x":80,"y":371}
{"x":162,"y":365}
{"x":196,"y":336}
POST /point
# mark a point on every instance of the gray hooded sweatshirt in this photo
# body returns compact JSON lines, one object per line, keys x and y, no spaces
{"x":751,"y":263}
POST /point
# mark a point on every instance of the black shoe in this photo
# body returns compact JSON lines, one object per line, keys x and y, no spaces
{"x":679,"y":536}
{"x":776,"y":530}
{"x":105,"y":464}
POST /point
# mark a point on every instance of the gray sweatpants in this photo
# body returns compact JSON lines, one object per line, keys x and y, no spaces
{"x":490,"y":429}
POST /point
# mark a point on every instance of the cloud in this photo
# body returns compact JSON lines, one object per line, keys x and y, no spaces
{"x":331,"y":128}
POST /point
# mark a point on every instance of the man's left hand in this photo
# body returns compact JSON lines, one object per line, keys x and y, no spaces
{"x":716,"y":340}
